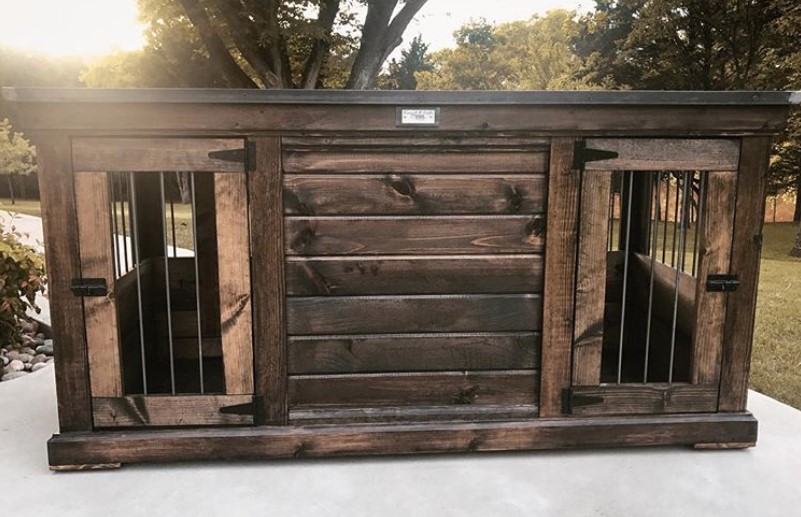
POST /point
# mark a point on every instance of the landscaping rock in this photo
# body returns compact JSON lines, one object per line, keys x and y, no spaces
{"x":28,"y":350}
{"x":5,"y":360}
{"x":46,"y":349}
{"x":26,"y":357}
{"x":38,"y":366}
{"x":16,"y":366}
{"x":39,"y":358}
{"x":14,"y":375}
{"x":13,"y":355}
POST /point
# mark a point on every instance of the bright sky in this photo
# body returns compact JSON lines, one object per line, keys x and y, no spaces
{"x":96,"y":27}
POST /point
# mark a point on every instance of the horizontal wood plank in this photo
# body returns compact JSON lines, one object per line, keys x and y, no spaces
{"x":413,"y":194}
{"x":451,"y":388}
{"x":404,"y":414}
{"x":475,"y":274}
{"x":408,"y":161}
{"x":139,"y":411}
{"x":413,"y":352}
{"x":154,"y":154}
{"x":403,"y":314}
{"x":664,"y":154}
{"x":412,"y":235}
{"x":354,"y":143}
{"x":634,"y":399}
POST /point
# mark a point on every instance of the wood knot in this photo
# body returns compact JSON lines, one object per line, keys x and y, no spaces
{"x":536,"y":226}
{"x":403,"y":186}
{"x":514,"y":197}
{"x":467,"y":395}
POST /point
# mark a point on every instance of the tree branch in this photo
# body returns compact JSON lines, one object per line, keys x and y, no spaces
{"x":215,"y":46}
{"x":246,"y":41}
{"x":394,"y":36}
{"x":276,"y":51}
{"x":321,"y":44}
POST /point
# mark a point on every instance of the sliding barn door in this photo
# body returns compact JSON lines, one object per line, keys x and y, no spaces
{"x":655,"y":221}
{"x":165,"y":279}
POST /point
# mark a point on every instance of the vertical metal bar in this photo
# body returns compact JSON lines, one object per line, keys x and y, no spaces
{"x":654,"y":242}
{"x":625,"y":278}
{"x":667,"y":207}
{"x":135,"y":235}
{"x":124,"y":229}
{"x":197,"y":281}
{"x":675,"y":223}
{"x":167,"y":286}
{"x":699,"y":219}
{"x":112,"y":180}
{"x":676,"y":293}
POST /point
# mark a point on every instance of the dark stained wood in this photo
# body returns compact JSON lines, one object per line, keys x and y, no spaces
{"x":207,"y":254}
{"x":339,"y":194}
{"x":393,"y":274}
{"x":591,"y":278}
{"x":396,"y":414}
{"x":88,"y":466}
{"x":233,"y":259}
{"x":457,"y":388}
{"x":97,"y":261}
{"x":241,"y":120}
{"x":660,"y":154}
{"x":250,"y":443}
{"x":407,"y":161}
{"x":60,"y":222}
{"x":267,"y":259}
{"x":153,"y":154}
{"x":141,"y":411}
{"x":641,"y":399}
{"x":560,"y":269}
{"x":420,"y":313}
{"x":413,"y":235}
{"x":738,"y":331}
{"x":149,"y":215}
{"x":665,"y":291}
{"x":413,"y":352}
{"x":714,"y":254}
{"x":418,"y":142}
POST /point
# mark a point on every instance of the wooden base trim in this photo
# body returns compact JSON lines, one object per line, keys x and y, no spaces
{"x":375,"y":439}
{"x":723,"y":446}
{"x":92,"y":466}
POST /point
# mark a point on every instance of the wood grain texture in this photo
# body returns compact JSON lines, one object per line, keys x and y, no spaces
{"x":413,"y":352}
{"x":664,"y":154}
{"x":738,"y":331}
{"x":560,"y":269}
{"x":511,"y":387}
{"x":142,"y":411}
{"x":153,"y":154}
{"x":205,"y":208}
{"x":665,"y":291}
{"x":97,"y":261}
{"x":413,"y":313}
{"x":714,"y":254}
{"x":403,"y":274}
{"x":406,"y":414}
{"x":407,"y":161}
{"x":262,"y":442}
{"x":641,"y":399}
{"x":401,"y":141}
{"x":60,"y":223}
{"x":418,"y":194}
{"x":371,"y":235}
{"x":269,"y":325}
{"x":233,"y":259}
{"x":591,"y":278}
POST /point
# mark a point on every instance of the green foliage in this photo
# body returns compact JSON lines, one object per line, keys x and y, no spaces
{"x":533,"y":54}
{"x":17,"y":155}
{"x":401,"y":73}
{"x":22,"y":275}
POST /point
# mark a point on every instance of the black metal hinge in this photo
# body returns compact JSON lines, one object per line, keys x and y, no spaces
{"x":89,"y":287}
{"x":246,"y":155}
{"x":583,"y":154}
{"x":722,"y":283}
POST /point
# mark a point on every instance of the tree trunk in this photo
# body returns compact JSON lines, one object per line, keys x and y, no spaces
{"x":797,"y":213}
{"x":184,"y":187}
{"x":11,"y":190}
{"x":796,"y":251}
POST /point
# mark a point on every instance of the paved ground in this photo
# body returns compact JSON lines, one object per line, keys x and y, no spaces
{"x":674,"y":481}
{"x":764,"y":481}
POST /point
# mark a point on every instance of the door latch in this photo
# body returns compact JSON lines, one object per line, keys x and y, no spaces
{"x":722,"y":283}
{"x":89,"y":287}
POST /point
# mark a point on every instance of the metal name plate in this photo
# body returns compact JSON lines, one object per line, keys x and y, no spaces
{"x":417,"y":117}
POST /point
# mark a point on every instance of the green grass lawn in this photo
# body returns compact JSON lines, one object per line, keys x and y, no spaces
{"x":776,"y":366}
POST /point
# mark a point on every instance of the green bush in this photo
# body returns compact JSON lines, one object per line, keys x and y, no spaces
{"x":22,"y":275}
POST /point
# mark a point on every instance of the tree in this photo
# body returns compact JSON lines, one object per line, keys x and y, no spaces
{"x":401,"y":73}
{"x":17,"y":155}
{"x":271,"y":43}
{"x":533,"y":54}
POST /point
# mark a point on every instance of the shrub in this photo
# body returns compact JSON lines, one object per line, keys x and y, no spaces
{"x":22,"y":275}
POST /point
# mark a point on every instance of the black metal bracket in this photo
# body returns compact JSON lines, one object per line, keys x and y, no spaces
{"x":583,"y":154}
{"x":249,"y":408}
{"x":246,"y":155}
{"x":89,"y":287}
{"x":722,"y":283}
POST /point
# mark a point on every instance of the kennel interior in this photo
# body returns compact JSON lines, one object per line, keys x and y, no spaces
{"x":258,"y":274}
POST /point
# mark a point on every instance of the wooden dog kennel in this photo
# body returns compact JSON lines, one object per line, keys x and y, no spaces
{"x":398,"y":272}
